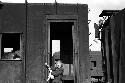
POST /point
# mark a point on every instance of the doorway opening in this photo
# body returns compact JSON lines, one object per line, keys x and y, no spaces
{"x":61,"y":47}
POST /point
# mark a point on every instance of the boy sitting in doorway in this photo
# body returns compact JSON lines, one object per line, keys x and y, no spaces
{"x":57,"y":72}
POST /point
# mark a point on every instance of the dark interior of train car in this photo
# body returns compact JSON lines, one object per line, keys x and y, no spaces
{"x":63,"y":31}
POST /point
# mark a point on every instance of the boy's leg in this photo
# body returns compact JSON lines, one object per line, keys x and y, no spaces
{"x":56,"y":81}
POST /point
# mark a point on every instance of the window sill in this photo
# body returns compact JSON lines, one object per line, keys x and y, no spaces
{"x":9,"y":60}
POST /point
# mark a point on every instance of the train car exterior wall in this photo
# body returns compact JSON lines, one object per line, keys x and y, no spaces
{"x":31,"y":22}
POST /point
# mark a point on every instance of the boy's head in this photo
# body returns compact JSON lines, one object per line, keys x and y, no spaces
{"x":59,"y":63}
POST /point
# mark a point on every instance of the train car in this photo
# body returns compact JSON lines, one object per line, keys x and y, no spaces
{"x":27,"y":33}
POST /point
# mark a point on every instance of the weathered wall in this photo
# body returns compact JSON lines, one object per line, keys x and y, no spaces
{"x":96,"y":56}
{"x":12,"y":19}
{"x":36,"y":45}
{"x":117,"y":36}
{"x":113,"y":46}
{"x":84,"y":42}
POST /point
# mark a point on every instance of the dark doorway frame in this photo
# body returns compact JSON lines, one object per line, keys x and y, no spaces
{"x":65,"y":18}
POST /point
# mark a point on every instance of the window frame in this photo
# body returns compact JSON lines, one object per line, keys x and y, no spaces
{"x":21,"y":45}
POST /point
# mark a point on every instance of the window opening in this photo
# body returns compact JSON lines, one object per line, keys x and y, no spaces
{"x":93,"y":63}
{"x":11,"y":46}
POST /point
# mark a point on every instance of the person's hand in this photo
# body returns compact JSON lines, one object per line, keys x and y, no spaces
{"x":45,"y":63}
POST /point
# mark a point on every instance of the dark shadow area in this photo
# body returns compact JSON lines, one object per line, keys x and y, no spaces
{"x":63,"y":31}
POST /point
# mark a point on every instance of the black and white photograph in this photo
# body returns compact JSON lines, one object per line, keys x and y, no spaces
{"x":62,"y":41}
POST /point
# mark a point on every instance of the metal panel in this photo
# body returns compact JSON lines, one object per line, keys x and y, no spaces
{"x":0,"y":45}
{"x":67,"y":9}
{"x":76,"y":51}
{"x":61,"y":17}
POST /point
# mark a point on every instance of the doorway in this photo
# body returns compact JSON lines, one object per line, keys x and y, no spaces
{"x":61,"y":47}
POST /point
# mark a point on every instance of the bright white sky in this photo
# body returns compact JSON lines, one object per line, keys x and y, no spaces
{"x":55,"y":46}
{"x":96,"y":7}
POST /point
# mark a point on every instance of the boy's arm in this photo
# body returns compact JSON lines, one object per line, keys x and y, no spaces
{"x":53,"y":68}
{"x":58,"y":72}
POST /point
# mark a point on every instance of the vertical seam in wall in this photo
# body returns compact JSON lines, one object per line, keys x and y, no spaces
{"x":25,"y":77}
